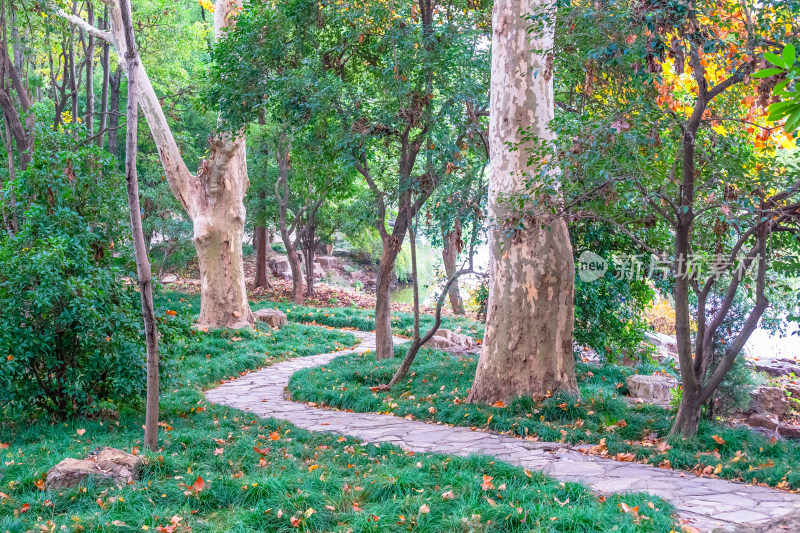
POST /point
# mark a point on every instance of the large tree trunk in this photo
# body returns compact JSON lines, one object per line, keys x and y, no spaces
{"x":527,"y":347}
{"x":218,"y":234}
{"x":213,"y":198}
{"x":449,"y":257}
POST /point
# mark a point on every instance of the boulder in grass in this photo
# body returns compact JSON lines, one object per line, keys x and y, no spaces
{"x":444,"y":339}
{"x":107,"y":465}
{"x":438,"y":343}
{"x":444,"y":333}
{"x":463,"y":341}
{"x":653,"y":389}
{"x":273,"y":317}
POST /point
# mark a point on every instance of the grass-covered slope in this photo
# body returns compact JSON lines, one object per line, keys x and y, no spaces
{"x":439,"y":384}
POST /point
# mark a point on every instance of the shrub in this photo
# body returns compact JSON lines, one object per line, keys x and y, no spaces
{"x":70,"y":330}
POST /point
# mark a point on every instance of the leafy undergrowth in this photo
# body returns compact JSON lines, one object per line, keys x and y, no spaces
{"x":220,"y":469}
{"x":438,"y":387}
{"x":364,"y":319}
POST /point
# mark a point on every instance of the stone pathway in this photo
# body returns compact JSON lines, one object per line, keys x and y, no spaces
{"x":704,"y":503}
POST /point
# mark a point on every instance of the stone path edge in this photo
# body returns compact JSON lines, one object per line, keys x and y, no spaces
{"x":704,"y":503}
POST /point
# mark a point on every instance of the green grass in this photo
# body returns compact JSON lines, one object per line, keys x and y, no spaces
{"x":438,"y":387}
{"x":364,"y":319}
{"x":314,"y":481}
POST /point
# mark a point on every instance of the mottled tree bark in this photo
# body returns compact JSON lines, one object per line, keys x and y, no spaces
{"x":527,"y":347}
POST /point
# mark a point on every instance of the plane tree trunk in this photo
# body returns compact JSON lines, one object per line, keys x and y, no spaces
{"x":213,"y":197}
{"x":527,"y":347}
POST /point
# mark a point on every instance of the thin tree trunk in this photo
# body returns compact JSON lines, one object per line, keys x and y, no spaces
{"x":106,"y":80}
{"x":527,"y":347}
{"x":449,"y":257}
{"x":139,"y":247}
{"x":89,"y":58}
{"x":260,"y":238}
{"x":73,"y":81}
{"x":282,"y":195}
{"x":10,"y":224}
{"x":308,"y":240}
{"x":113,"y":112}
{"x":384,"y":348}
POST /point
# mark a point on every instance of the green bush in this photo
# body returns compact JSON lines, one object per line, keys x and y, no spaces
{"x":70,"y":326}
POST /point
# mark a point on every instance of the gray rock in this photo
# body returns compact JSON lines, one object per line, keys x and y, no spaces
{"x":108,"y":466}
{"x":444,"y":333}
{"x":651,"y":388}
{"x":273,"y":317}
{"x":279,"y":265}
{"x":666,"y":346}
{"x":777,"y":367}
{"x":169,"y":278}
{"x":462,"y":341}
{"x":769,"y":400}
{"x":439,"y":343}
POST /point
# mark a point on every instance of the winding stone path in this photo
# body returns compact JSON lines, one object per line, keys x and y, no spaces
{"x":704,"y":503}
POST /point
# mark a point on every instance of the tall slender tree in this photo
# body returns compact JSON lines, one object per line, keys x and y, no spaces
{"x":139,"y":249}
{"x":527,"y":347}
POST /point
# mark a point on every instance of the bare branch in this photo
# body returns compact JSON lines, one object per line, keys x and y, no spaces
{"x":83,"y":25}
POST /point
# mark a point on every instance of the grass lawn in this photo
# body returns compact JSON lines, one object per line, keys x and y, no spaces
{"x":265,"y":475}
{"x":364,"y":319}
{"x":438,"y":387}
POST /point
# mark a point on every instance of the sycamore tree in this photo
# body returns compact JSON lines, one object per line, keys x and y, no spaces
{"x":393,"y":79}
{"x":527,"y":348}
{"x":664,"y":135}
{"x":213,"y":196}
